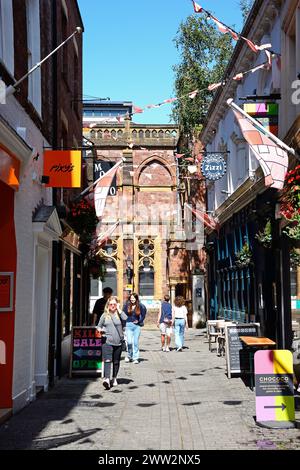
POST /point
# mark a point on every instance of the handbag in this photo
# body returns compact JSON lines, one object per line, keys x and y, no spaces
{"x":123,"y":342}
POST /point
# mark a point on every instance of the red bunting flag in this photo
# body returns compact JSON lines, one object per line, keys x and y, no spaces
{"x":224,"y":29}
{"x":197,"y":8}
{"x":214,"y":86}
{"x":137,"y":110}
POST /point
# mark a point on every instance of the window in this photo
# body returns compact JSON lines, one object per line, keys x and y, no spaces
{"x":7,"y":35}
{"x":34,"y":53}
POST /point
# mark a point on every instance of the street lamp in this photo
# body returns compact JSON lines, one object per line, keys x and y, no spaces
{"x":129,"y":270}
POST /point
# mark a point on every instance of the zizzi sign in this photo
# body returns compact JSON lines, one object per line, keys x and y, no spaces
{"x":62,"y":168}
{"x":100,"y":168}
{"x":213,"y":167}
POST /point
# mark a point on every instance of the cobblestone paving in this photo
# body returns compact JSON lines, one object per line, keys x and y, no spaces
{"x":173,"y":401}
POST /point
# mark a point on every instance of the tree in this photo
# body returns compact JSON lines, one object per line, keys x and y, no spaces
{"x":204,"y":56}
{"x":246,"y":6}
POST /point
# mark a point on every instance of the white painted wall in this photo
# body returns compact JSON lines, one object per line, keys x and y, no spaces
{"x":29,"y":196}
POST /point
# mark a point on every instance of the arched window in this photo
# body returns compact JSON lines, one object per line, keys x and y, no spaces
{"x":146,"y":269}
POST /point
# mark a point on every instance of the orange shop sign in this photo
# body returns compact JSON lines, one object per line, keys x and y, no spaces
{"x":62,"y":168}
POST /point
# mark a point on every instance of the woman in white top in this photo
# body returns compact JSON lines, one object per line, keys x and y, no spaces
{"x":179,"y":320}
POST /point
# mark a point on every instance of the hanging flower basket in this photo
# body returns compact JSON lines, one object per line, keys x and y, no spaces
{"x":290,"y":203}
{"x":243,"y":258}
{"x":82,"y":218}
{"x":264,"y":237}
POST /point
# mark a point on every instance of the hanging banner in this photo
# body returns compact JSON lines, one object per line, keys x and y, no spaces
{"x":62,"y":168}
{"x":100,"y":168}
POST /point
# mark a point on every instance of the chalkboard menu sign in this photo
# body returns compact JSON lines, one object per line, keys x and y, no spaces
{"x":86,"y":352}
{"x":237,"y":358}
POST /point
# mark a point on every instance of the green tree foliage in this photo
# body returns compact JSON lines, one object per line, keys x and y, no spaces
{"x":205,"y":53}
{"x":246,"y":6}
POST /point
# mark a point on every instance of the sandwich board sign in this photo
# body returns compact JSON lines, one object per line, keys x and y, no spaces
{"x":86,"y":352}
{"x":275,"y":405}
{"x":237,"y":358}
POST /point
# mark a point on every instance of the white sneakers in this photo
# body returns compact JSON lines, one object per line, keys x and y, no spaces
{"x":167,"y":349}
{"x":115,"y":382}
{"x":135,"y":361}
{"x":127,"y":359}
{"x":179,"y":349}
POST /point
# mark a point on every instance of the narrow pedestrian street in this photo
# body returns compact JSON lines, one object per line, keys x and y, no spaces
{"x":171,"y":401}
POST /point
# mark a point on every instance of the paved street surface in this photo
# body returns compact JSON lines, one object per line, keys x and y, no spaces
{"x":175,"y":400}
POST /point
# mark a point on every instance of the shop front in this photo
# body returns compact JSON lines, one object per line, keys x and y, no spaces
{"x":9,"y":174}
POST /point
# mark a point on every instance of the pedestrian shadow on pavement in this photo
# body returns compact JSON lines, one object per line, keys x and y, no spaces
{"x":146,"y":405}
{"x":52,"y":442}
{"x":123,"y":381}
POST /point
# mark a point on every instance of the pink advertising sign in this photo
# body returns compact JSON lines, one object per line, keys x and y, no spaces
{"x":274,"y":387}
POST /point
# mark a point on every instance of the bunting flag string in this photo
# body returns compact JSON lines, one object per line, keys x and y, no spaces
{"x":223,"y":28}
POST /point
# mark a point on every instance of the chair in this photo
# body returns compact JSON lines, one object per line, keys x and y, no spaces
{"x":220,"y":328}
{"x":211,"y":332}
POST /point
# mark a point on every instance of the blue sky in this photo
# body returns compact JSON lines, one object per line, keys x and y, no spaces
{"x":129,"y":50}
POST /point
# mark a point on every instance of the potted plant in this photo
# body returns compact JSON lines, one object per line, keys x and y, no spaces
{"x":265,"y":236}
{"x":243,"y":258}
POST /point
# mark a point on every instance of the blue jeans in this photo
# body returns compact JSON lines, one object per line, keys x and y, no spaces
{"x":179,"y":332}
{"x":133,"y":333}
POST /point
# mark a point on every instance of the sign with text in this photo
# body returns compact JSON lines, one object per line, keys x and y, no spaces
{"x":100,"y":168}
{"x":237,"y":359}
{"x":274,"y":386}
{"x":62,"y":168}
{"x":213,"y":166}
{"x":86,"y":353}
{"x":6,"y":292}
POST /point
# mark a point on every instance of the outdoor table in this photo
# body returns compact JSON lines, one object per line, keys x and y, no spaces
{"x":253,"y":344}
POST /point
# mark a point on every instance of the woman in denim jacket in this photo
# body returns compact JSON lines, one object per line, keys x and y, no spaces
{"x":136,"y":312}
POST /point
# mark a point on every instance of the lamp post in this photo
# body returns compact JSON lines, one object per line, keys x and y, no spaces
{"x":129,"y":270}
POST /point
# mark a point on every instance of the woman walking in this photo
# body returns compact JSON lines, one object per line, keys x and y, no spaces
{"x":179,"y":316}
{"x":136,"y":312}
{"x":111,"y":323}
{"x":164,"y":323}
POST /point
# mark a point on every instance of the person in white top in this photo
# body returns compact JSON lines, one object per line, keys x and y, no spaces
{"x":179,"y":320}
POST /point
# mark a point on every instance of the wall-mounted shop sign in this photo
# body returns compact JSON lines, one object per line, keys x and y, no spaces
{"x":275,"y":405}
{"x":86,"y":352}
{"x":62,"y":168}
{"x":213,"y":166}
{"x":6,"y":292}
{"x":100,"y":168}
